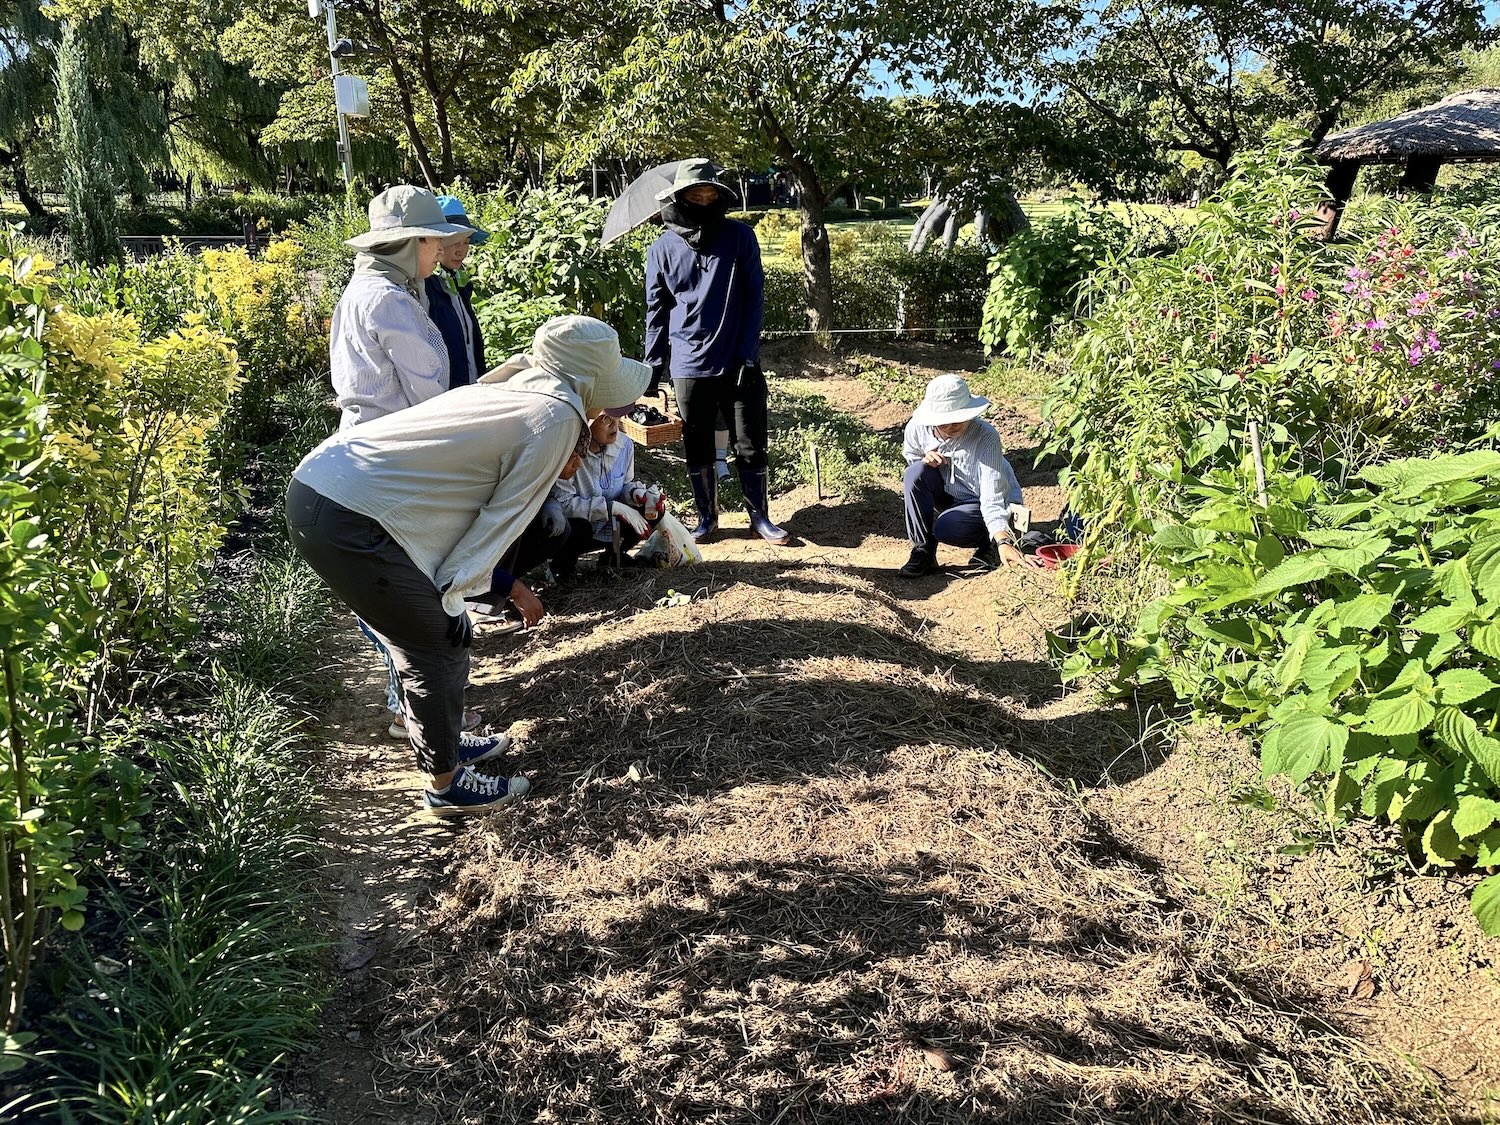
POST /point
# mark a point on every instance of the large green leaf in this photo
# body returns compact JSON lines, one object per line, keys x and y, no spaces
{"x":1474,"y":815}
{"x":1402,"y":714}
{"x":1487,"y":849}
{"x":1416,"y":475}
{"x":1303,"y":745}
{"x":1459,"y":685}
{"x":1443,"y":619}
{"x":1483,"y":561}
{"x":1293,"y":571}
{"x":1462,"y":735}
{"x":1486,"y":639}
{"x":1486,"y":905}
{"x":1363,"y":611}
{"x":1440,"y":842}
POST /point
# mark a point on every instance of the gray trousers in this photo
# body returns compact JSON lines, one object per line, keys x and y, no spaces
{"x":375,"y":577}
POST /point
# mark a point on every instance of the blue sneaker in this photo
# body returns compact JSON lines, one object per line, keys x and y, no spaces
{"x":471,"y":792}
{"x":476,"y":748}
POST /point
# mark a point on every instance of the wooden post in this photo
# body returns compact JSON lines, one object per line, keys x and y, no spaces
{"x":1340,"y":186}
{"x":1421,"y":173}
{"x":817,"y":469}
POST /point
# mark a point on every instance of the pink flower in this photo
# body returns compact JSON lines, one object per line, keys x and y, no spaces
{"x":1309,"y":295}
{"x":1280,"y":290}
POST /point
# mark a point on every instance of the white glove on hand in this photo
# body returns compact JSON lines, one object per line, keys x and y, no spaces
{"x":553,"y":520}
{"x":629,"y":515}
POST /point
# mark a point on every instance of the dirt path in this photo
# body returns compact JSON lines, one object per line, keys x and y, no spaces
{"x":823,"y":845}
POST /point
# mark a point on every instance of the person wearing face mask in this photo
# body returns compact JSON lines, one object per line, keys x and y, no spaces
{"x":705,"y":301}
{"x":408,"y":515}
{"x":450,"y":298}
{"x":384,"y":352}
{"x":959,"y":487}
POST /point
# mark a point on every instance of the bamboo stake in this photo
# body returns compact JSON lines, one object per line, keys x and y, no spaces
{"x":1260,"y":468}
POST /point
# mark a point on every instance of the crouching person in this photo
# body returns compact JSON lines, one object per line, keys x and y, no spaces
{"x":603,"y":500}
{"x":407,"y":515}
{"x":959,"y":487}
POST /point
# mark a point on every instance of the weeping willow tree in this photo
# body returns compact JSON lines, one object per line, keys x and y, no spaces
{"x":28,"y":43}
{"x":88,"y":180}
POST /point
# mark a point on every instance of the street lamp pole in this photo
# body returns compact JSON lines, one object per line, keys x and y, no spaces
{"x":325,"y":8}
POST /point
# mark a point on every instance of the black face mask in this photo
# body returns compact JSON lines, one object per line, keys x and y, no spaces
{"x":697,"y":223}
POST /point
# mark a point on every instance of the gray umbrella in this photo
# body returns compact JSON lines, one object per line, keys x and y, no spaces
{"x":638,"y":203}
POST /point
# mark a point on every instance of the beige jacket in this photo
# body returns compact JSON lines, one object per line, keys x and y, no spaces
{"x":455,"y":479}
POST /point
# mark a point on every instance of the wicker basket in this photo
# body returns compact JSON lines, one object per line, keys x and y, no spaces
{"x":663,"y":433}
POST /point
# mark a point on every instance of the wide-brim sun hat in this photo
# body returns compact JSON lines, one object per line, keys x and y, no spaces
{"x":949,"y":400}
{"x":585,"y":346}
{"x":453,"y":211}
{"x":692,"y":172}
{"x":404,"y":212}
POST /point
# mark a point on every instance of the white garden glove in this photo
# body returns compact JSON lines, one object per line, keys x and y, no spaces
{"x":632,"y":518}
{"x":553,"y":520}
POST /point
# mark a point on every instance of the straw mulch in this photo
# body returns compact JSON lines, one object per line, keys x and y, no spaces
{"x":787,"y":863}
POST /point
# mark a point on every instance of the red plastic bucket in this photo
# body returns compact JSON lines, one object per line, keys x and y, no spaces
{"x":1052,"y":554}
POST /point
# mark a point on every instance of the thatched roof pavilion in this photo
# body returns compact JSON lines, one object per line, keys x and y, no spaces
{"x":1461,"y":128}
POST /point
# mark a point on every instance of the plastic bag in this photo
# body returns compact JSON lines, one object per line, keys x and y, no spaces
{"x":669,"y":545}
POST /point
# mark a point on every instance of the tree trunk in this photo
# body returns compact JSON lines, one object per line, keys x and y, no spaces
{"x":445,"y":137}
{"x":817,"y":259}
{"x":187,"y":191}
{"x":15,"y":160}
{"x":403,"y":98}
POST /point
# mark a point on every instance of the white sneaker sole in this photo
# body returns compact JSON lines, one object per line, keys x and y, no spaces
{"x":515,"y":787}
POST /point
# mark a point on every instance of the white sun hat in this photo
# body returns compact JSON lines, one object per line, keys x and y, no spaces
{"x":948,"y":400}
{"x":403,"y":212}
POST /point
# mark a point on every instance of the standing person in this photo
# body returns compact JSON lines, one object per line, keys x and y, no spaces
{"x":450,"y":299}
{"x":384,"y":352}
{"x":959,"y":487}
{"x":705,"y":300}
{"x":406,"y":516}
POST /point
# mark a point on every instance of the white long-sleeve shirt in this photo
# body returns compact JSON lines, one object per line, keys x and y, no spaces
{"x":603,"y":477}
{"x":974,"y":468}
{"x":384,"y":352}
{"x":456,"y":479}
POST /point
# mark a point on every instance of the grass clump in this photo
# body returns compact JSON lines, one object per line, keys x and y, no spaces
{"x":201,"y":972}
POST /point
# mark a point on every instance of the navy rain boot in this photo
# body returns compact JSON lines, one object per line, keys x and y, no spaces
{"x":753,"y":485}
{"x":706,"y":497}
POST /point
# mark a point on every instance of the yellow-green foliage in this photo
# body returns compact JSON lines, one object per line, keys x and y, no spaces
{"x":133,"y":476}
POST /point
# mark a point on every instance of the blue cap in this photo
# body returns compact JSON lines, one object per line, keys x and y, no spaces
{"x":453,"y":211}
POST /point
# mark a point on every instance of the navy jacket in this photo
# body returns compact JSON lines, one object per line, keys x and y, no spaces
{"x":452,"y":311}
{"x":704,"y":308}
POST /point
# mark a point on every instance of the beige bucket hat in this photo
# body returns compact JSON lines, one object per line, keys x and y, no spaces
{"x":949,"y":400}
{"x":587,"y":351}
{"x":403,"y":212}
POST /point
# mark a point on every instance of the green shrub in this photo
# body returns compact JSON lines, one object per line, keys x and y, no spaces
{"x":1038,"y":278}
{"x":64,"y":797}
{"x":1356,"y":631}
{"x":1348,"y":620}
{"x":882,"y":287}
{"x":544,"y":259}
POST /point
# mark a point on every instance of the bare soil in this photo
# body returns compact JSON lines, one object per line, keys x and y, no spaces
{"x":822,"y":845}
